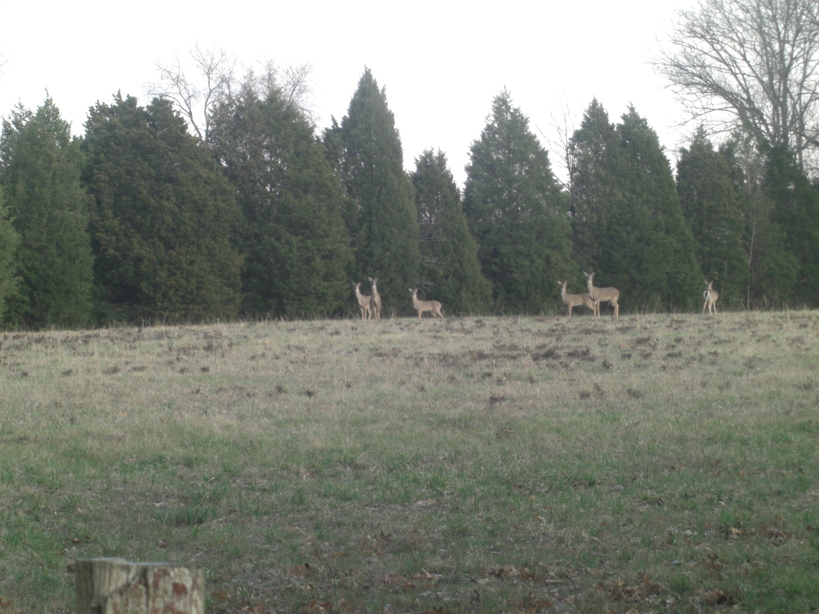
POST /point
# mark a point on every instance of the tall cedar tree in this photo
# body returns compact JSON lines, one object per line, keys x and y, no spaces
{"x":637,"y":239}
{"x":9,"y":240}
{"x":449,"y":253}
{"x":297,"y":254}
{"x":381,"y":218}
{"x":41,"y":168}
{"x":162,"y":216}
{"x":516,"y":212}
{"x":795,"y":209}
{"x":772,"y":267}
{"x":712,"y":210}
{"x":595,"y":163}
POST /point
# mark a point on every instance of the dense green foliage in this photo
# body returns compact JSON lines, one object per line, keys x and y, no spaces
{"x":771,"y":266}
{"x":594,"y":172}
{"x":627,"y":214}
{"x":796,"y":211}
{"x":712,"y":210}
{"x":381,"y":219}
{"x":41,"y":166}
{"x":449,"y":252}
{"x":162,"y":216}
{"x":8,"y":245}
{"x":292,"y":235}
{"x":656,"y":237}
{"x":516,"y":212}
{"x":139,"y":220}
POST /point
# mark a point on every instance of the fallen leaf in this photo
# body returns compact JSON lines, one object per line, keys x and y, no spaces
{"x":425,"y":575}
{"x":508,"y":571}
{"x":777,"y":537}
{"x":220,"y":596}
{"x":300,"y":570}
{"x":718,"y":597}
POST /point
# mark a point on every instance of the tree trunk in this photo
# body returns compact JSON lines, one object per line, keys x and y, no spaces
{"x":115,"y":586}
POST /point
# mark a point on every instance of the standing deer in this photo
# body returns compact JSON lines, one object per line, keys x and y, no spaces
{"x":375,"y":302}
{"x":364,"y":302}
{"x":575,"y":300}
{"x":600,"y":295}
{"x":710,"y":297}
{"x":422,"y":306}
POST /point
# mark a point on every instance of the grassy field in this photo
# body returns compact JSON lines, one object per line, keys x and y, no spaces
{"x":653,"y":463}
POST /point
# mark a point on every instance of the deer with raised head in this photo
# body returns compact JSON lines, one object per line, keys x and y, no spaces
{"x":375,"y":301}
{"x":710,"y":297}
{"x":364,"y":302}
{"x":575,"y":300}
{"x":600,"y":295}
{"x":422,"y":306}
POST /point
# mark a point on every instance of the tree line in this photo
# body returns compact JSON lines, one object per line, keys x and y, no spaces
{"x":143,"y":220}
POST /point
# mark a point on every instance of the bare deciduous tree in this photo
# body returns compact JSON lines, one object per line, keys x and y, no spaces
{"x":211,"y":76}
{"x":562,"y":124}
{"x":752,"y":63}
{"x":756,"y":206}
{"x":193,"y":93}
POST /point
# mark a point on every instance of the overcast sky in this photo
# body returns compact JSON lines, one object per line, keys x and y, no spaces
{"x":441,"y":62}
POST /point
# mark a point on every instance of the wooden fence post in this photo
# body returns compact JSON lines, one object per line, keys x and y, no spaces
{"x":115,"y":586}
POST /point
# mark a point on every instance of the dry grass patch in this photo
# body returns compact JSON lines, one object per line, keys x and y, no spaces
{"x":649,"y":463}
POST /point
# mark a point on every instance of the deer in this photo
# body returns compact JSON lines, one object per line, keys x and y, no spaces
{"x":364,"y":302}
{"x":599,"y":295}
{"x":575,"y":300}
{"x":710,"y":297}
{"x":375,"y":301}
{"x":422,"y":306}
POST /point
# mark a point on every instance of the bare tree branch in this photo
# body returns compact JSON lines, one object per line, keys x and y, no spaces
{"x":292,"y":82}
{"x":750,"y":63}
{"x":211,"y":76}
{"x":212,"y":73}
{"x":562,"y":124}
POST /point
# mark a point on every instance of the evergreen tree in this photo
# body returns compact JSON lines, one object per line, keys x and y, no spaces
{"x":640,"y":241}
{"x":8,"y":246}
{"x":381,"y":220}
{"x":712,"y":210}
{"x":296,"y":249}
{"x":41,"y":167}
{"x":772,"y":267}
{"x":449,"y":253}
{"x":162,"y":216}
{"x":516,"y":212}
{"x":796,"y":212}
{"x":595,"y":164}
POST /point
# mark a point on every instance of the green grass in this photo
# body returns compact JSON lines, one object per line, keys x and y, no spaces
{"x":650,"y":463}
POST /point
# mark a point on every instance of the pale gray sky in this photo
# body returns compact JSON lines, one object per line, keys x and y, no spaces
{"x":441,"y":62}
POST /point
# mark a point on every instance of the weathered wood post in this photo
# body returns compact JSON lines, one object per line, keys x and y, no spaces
{"x":115,"y":586}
